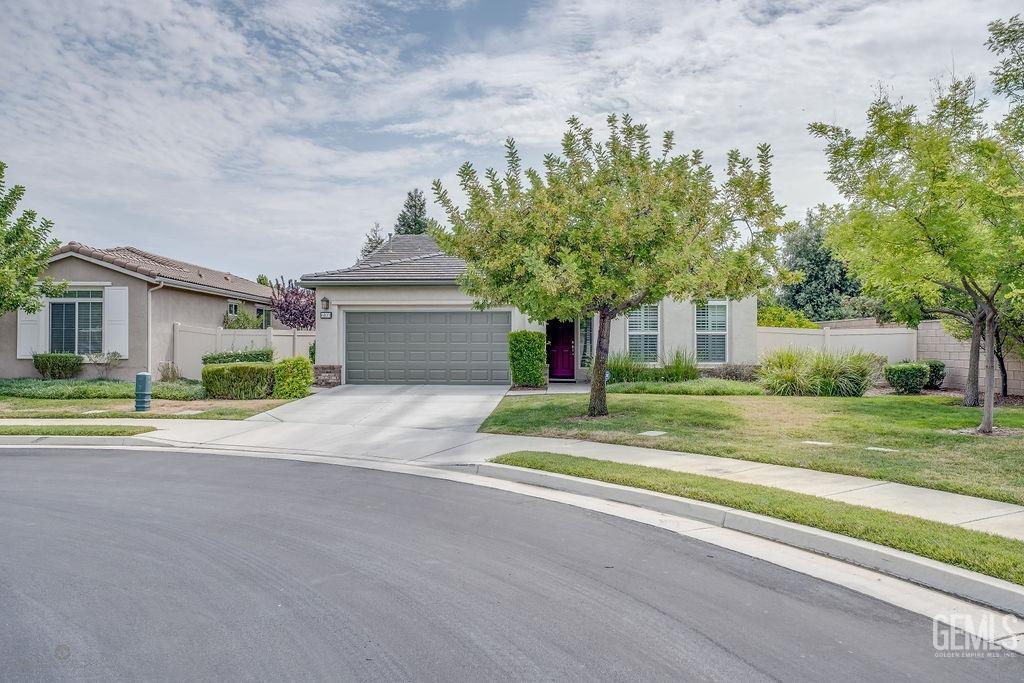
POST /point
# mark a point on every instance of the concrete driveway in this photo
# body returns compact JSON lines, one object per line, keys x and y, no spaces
{"x":449,"y":407}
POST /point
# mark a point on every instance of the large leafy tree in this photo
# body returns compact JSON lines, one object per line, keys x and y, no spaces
{"x":412,"y":220}
{"x":826,"y":286}
{"x":25,"y":250}
{"x":608,"y":226}
{"x":934,"y":224}
{"x":293,"y":305}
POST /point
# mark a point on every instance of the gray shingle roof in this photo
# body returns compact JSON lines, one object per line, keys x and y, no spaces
{"x":171,"y":270}
{"x":403,"y":258}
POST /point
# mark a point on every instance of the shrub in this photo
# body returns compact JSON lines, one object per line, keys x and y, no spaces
{"x":801,"y":372}
{"x":780,"y":316}
{"x":293,"y":377}
{"x":182,"y":390}
{"x":243,"y":320}
{"x":312,"y":353}
{"x":57,"y":365}
{"x":527,"y":358}
{"x":907,"y":378}
{"x":105,"y":363}
{"x":623,"y":367}
{"x":732,"y":371}
{"x":936,"y":374}
{"x":679,"y":366}
{"x":169,"y":372}
{"x":238,"y":380}
{"x":243,"y":356}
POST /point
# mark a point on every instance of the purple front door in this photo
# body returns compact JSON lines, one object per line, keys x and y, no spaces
{"x":561,"y":349}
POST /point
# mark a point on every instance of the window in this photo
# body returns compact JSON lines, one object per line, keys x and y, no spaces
{"x":264,"y":316}
{"x":712,"y":332}
{"x":642,"y":328}
{"x":76,"y":322}
{"x":232,"y":308}
{"x":586,"y":340}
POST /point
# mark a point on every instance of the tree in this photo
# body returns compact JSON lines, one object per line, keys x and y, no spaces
{"x":293,"y":305}
{"x":25,"y":251}
{"x":373,"y":241}
{"x":826,"y":286}
{"x":263,"y":280}
{"x":1006,"y":40}
{"x":412,"y":220}
{"x":934,"y":224}
{"x":611,"y":226}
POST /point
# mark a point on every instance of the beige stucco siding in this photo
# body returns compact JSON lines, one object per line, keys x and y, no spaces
{"x":76,"y":270}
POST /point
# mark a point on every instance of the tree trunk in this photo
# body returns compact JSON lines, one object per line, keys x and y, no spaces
{"x":971,"y":387}
{"x":1004,"y":383}
{"x":990,"y":374}
{"x":598,"y":395}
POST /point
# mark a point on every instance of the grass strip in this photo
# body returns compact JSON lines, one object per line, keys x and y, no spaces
{"x":72,"y":430}
{"x":977,"y":551}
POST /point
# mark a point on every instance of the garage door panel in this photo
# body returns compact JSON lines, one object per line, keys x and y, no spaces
{"x":427,"y":347}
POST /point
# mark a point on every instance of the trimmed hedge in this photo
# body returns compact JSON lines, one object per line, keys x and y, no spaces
{"x":238,"y":381}
{"x":245,"y":356}
{"x":293,"y":377}
{"x":528,"y":358}
{"x":907,"y":378}
{"x":57,"y":365}
{"x":936,"y":374}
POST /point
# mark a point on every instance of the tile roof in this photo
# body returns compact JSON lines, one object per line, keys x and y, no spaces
{"x":403,"y":258}
{"x":172,"y":270}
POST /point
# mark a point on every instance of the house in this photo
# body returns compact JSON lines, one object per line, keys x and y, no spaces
{"x":126,"y":300}
{"x":398,"y":317}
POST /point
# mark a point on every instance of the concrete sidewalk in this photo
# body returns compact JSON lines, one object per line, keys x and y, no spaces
{"x":457,"y":446}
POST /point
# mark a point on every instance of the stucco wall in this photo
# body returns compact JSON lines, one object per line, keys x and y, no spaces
{"x":191,"y":308}
{"x":75,"y":270}
{"x":935,"y":343}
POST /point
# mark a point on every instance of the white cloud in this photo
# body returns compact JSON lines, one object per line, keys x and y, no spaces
{"x":268,"y":137}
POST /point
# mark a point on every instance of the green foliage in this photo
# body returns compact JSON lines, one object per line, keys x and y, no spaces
{"x":611,"y":225}
{"x":623,"y":367}
{"x":57,"y":365}
{"x":373,"y":241}
{"x":693,"y":387}
{"x":527,"y":357}
{"x":936,"y":373}
{"x":802,"y":372}
{"x":71,"y":389}
{"x":293,"y":377}
{"x":243,"y":356}
{"x":826,"y":285}
{"x":678,"y":366}
{"x":907,"y":378}
{"x":413,"y":218}
{"x":25,"y":250}
{"x":312,"y":353}
{"x":1006,"y":40}
{"x":780,"y":316}
{"x":263,"y":279}
{"x":238,"y":380}
{"x":243,"y":320}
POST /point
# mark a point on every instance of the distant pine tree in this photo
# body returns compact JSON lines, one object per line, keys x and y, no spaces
{"x":413,"y":218}
{"x":372,"y":242}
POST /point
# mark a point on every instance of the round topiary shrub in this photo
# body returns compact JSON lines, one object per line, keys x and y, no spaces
{"x":293,"y":377}
{"x":238,"y":380}
{"x":936,"y":374}
{"x":57,"y":365}
{"x":907,"y":378}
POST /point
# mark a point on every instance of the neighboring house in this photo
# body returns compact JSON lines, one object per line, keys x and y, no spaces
{"x":398,"y":317}
{"x":126,"y":300}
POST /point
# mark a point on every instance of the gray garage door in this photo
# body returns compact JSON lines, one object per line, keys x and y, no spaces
{"x":437,"y":347}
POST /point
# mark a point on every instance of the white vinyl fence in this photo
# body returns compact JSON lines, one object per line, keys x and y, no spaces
{"x":896,"y":343}
{"x":192,"y":342}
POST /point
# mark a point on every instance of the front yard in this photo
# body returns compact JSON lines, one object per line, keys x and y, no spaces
{"x":917,"y":433}
{"x":204,"y":409}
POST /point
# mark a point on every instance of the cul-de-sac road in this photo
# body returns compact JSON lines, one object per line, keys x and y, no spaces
{"x":149,"y":565}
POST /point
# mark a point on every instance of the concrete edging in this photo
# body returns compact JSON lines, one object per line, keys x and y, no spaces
{"x":963,"y":583}
{"x":50,"y":440}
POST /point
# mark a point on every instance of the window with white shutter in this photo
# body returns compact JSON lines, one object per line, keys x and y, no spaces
{"x":642,"y":326}
{"x":76,"y":322}
{"x":712,"y":321}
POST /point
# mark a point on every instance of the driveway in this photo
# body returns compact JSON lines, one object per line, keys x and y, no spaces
{"x":141,"y":565}
{"x":448,"y":407}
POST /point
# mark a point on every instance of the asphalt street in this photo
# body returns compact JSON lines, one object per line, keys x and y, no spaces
{"x":142,"y":565}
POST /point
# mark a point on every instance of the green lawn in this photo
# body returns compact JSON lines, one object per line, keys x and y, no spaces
{"x":705,"y":386}
{"x":772,"y":428}
{"x":72,"y":430}
{"x":981,"y":552}
{"x":205,"y":409}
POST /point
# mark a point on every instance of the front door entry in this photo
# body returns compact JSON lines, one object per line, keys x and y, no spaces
{"x":561,"y":349}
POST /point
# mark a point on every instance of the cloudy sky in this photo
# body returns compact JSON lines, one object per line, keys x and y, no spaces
{"x":268,"y":136}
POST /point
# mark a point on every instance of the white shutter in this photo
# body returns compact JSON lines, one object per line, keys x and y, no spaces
{"x":115,"y":320}
{"x":33,"y":333}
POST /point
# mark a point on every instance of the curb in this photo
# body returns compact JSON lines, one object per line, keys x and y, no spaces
{"x":973,"y":586}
